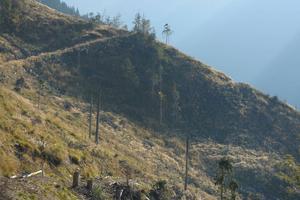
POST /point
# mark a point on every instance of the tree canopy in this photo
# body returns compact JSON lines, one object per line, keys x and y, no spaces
{"x":61,"y":6}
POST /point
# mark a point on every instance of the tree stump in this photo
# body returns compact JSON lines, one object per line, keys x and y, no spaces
{"x":76,"y":179}
{"x":89,"y":185}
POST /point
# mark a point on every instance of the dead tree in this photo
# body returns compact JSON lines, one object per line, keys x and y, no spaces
{"x":76,"y":179}
{"x":42,"y":148}
{"x":89,"y":185}
{"x":98,"y":118}
{"x":161,"y":96}
{"x":186,"y":162}
{"x":90,"y":117}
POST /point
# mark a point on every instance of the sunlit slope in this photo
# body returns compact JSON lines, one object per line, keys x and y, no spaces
{"x":136,"y":76}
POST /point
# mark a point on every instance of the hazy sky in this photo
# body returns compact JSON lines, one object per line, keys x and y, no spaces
{"x":239,"y":37}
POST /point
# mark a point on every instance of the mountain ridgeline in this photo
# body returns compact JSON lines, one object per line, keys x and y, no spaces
{"x":156,"y":87}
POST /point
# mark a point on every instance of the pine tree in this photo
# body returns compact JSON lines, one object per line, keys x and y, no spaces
{"x":137,"y":23}
{"x":167,"y":32}
{"x":145,"y":26}
{"x":224,"y":179}
{"x":61,"y":6}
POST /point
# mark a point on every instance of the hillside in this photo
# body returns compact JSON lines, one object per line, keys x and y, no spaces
{"x":75,"y":59}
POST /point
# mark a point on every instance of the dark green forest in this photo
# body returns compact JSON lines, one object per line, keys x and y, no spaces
{"x":61,"y":6}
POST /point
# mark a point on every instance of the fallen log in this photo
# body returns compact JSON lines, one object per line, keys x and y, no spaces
{"x":32,"y":174}
{"x":27,"y":175}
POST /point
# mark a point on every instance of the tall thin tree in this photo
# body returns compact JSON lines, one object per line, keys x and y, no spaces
{"x":137,"y":23}
{"x":224,"y":175}
{"x":187,"y":148}
{"x":90,"y":116}
{"x":98,"y":118}
{"x":39,"y":94}
{"x":161,"y":96}
{"x":167,"y":32}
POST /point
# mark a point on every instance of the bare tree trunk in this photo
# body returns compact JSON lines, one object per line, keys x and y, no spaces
{"x":98,"y":119}
{"x":89,"y":185}
{"x":39,"y":98}
{"x":76,"y":179}
{"x":160,"y":96}
{"x":43,"y":146}
{"x":222,"y":192}
{"x":78,"y":59}
{"x":90,"y":117}
{"x":161,"y":111}
{"x":186,"y":163}
{"x":39,"y":93}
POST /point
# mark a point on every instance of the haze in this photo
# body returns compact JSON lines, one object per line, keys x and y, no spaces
{"x":252,"y":41}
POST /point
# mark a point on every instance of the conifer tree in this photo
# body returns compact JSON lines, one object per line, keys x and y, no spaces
{"x":224,"y":179}
{"x":167,"y":32}
{"x":137,"y":23}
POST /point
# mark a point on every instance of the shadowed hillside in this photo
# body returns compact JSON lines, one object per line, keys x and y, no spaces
{"x":136,"y":76}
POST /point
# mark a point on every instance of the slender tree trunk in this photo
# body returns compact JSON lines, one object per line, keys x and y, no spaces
{"x":90,"y":117}
{"x":43,"y":157}
{"x":222,"y":192}
{"x":222,"y":184}
{"x":98,"y":119}
{"x":76,"y":179}
{"x":78,"y":59}
{"x":161,"y":111}
{"x":39,"y":98}
{"x":186,"y":163}
{"x":160,"y":97}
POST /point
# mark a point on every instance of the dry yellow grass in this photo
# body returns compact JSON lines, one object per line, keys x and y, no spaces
{"x":66,"y":136}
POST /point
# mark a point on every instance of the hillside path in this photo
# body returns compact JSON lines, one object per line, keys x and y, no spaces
{"x":64,"y":50}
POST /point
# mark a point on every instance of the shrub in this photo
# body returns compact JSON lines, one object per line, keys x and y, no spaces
{"x":160,"y":191}
{"x":74,"y":159}
{"x":98,"y":194}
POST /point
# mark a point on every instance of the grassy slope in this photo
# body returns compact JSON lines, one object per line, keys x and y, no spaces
{"x":228,"y":112}
{"x":49,"y":30}
{"x":65,"y":132}
{"x":23,"y":126}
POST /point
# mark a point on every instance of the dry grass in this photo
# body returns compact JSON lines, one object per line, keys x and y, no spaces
{"x":67,"y":140}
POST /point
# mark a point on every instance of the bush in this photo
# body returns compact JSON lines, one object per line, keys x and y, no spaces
{"x":98,"y":194}
{"x":160,"y":191}
{"x":74,"y":159}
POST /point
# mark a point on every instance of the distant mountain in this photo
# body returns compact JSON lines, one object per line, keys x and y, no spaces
{"x":281,"y":77}
{"x":61,"y":6}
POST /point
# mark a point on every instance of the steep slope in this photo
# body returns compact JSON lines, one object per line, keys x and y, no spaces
{"x":31,"y":28}
{"x":221,"y":117}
